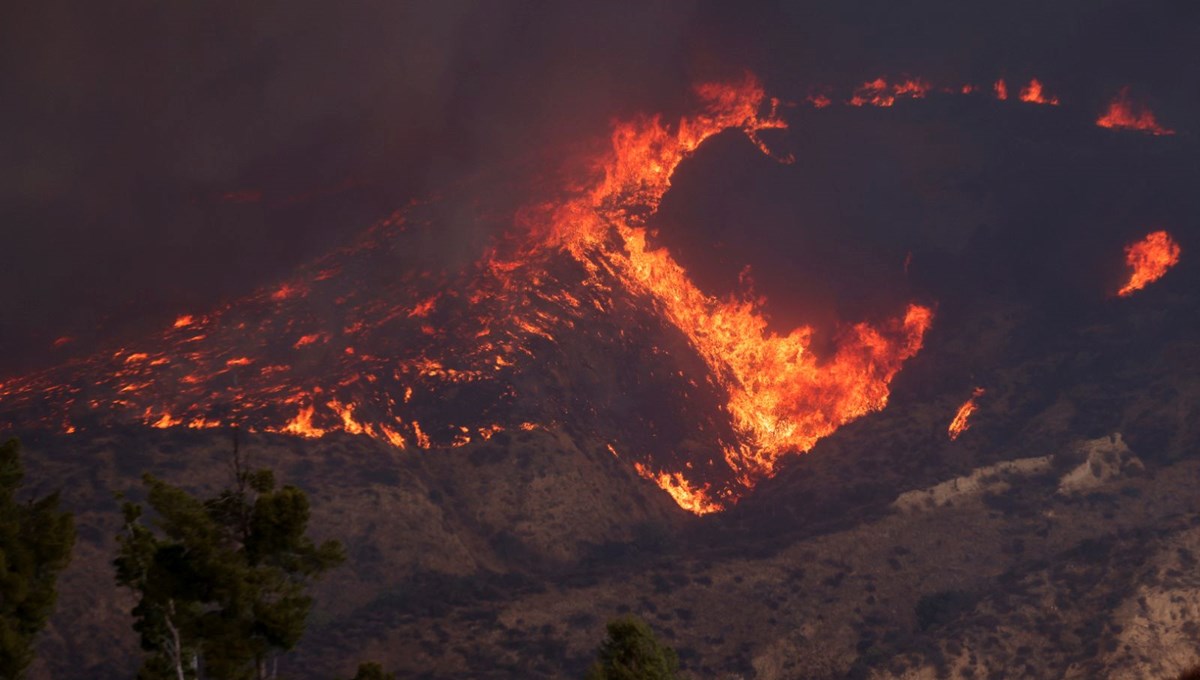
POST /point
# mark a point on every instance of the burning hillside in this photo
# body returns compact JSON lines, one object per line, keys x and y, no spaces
{"x":425,"y":358}
{"x":369,"y":340}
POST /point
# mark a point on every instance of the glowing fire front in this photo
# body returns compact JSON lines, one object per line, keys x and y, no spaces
{"x":780,"y":397}
{"x":1149,"y":260}
{"x":391,"y":352}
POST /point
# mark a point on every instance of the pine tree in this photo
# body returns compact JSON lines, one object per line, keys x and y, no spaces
{"x":221,"y":582}
{"x":35,"y":546}
{"x":631,"y":652}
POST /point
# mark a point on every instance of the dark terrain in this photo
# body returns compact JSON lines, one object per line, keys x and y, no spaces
{"x":504,"y":558}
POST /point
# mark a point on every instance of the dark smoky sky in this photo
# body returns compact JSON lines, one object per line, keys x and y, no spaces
{"x":162,"y":157}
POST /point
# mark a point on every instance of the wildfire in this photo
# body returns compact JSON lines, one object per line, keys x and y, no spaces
{"x":1001,"y":89}
{"x":690,"y":498}
{"x":1124,"y":114}
{"x":819,"y":100}
{"x":878,"y":93}
{"x":302,"y":424}
{"x":394,"y":357}
{"x":1033,"y":94}
{"x":390,"y":356}
{"x":1149,"y":260}
{"x":780,"y":398}
{"x":962,"y":419}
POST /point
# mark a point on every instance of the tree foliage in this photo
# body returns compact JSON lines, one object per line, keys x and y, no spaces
{"x":222,"y":582}
{"x":35,"y":545}
{"x":631,"y":652}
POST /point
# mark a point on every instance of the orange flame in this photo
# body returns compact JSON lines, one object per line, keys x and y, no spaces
{"x":165,"y":421}
{"x":1033,"y":94}
{"x":913,"y":87}
{"x":780,"y":397}
{"x":1001,"y":89}
{"x":819,"y":101}
{"x":874,"y":93}
{"x":690,"y":498}
{"x":1124,"y":114}
{"x":1148,"y":260}
{"x":878,"y":93}
{"x":961,"y":422}
{"x":302,"y":424}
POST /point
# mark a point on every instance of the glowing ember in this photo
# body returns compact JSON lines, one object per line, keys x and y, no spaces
{"x":1124,"y":114}
{"x":819,"y":101}
{"x":1148,"y":260}
{"x":961,"y":422}
{"x":913,"y":87}
{"x":1001,"y":90}
{"x":1033,"y":94}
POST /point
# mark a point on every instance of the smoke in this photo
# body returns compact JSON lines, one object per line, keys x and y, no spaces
{"x":135,"y":122}
{"x":162,"y":157}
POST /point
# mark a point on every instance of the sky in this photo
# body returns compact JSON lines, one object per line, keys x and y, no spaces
{"x":160,"y":158}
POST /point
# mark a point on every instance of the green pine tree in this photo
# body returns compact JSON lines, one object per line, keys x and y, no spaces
{"x":222,"y":582}
{"x":631,"y":652}
{"x":35,"y":545}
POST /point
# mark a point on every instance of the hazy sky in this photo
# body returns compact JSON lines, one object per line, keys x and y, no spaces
{"x":160,"y":157}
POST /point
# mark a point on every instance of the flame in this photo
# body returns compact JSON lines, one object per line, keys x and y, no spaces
{"x":819,"y":100}
{"x":394,"y":361}
{"x":310,"y":339}
{"x":1033,"y":94}
{"x":346,"y":413}
{"x":1124,"y":114}
{"x":878,"y":93}
{"x":690,"y":498}
{"x":780,"y":397}
{"x":287,"y":291}
{"x":1001,"y":89}
{"x":165,"y":421}
{"x":961,"y":422}
{"x":874,"y":93}
{"x":912,"y":87}
{"x":422,"y":438}
{"x":302,"y":424}
{"x":393,"y":437}
{"x":1148,"y":260}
